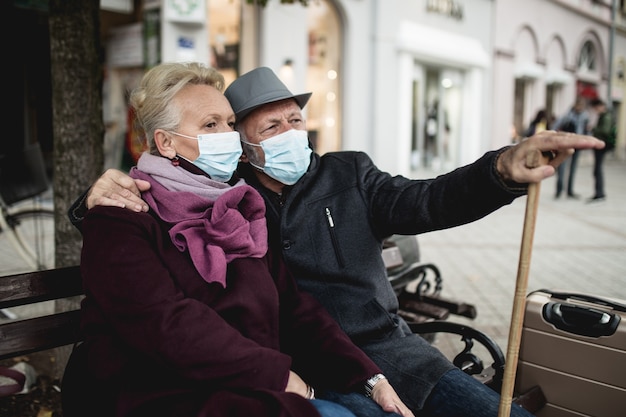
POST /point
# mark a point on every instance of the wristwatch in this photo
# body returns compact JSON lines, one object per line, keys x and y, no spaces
{"x":371,"y":382}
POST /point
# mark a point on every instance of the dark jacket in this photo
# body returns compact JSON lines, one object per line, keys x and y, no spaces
{"x":573,"y":121}
{"x":330,"y":226}
{"x":341,"y":265}
{"x":605,"y":130}
{"x":164,"y":339}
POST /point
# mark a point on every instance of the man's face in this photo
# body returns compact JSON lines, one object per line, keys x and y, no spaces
{"x":268,"y":121}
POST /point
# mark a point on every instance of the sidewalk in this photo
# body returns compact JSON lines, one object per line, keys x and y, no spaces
{"x":578,"y":247}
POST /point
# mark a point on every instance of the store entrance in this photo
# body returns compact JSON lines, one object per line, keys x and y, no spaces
{"x":437,"y":94}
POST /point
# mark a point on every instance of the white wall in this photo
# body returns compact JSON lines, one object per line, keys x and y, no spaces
{"x":284,"y":36}
{"x":359,"y":71}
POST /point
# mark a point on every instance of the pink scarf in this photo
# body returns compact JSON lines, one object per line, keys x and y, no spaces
{"x":215,"y":222}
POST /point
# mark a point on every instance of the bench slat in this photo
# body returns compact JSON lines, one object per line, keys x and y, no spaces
{"x":39,"y":333}
{"x":34,"y":287}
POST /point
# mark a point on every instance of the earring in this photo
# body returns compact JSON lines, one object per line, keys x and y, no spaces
{"x":175,"y":161}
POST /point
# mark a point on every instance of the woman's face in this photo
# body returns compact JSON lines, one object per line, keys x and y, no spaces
{"x":204,"y":109}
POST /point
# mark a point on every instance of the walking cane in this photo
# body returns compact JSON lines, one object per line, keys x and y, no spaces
{"x":519,"y":299}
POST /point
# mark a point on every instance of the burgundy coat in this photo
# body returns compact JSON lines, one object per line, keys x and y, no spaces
{"x":164,"y":339}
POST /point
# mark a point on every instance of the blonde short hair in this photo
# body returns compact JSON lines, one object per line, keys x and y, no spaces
{"x":152,"y":100}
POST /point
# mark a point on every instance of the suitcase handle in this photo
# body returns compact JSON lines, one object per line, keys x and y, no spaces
{"x":584,"y":321}
{"x":587,"y":298}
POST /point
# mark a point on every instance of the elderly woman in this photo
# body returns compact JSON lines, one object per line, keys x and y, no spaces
{"x":186,"y":313}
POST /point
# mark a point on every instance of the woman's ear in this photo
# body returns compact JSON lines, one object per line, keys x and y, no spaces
{"x":164,"y":143}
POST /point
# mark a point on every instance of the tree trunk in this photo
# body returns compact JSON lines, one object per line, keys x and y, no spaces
{"x":76,"y":71}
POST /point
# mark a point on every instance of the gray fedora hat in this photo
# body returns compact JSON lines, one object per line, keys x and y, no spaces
{"x":256,"y":88}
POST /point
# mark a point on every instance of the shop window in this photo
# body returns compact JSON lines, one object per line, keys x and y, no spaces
{"x":438,"y":138}
{"x":224,"y":18}
{"x":324,"y":76}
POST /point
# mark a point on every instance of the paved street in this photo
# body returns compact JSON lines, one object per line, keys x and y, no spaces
{"x":578,"y":247}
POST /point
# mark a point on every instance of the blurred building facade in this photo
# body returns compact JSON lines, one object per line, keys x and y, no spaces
{"x":408,"y":82}
{"x":547,"y":53}
{"x":422,"y":86}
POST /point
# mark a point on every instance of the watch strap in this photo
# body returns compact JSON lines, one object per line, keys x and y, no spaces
{"x":371,"y":383}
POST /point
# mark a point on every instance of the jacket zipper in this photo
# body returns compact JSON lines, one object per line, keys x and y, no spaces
{"x":333,"y":237}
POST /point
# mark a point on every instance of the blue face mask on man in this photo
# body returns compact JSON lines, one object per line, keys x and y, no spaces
{"x":287,"y":156}
{"x":219,"y":154}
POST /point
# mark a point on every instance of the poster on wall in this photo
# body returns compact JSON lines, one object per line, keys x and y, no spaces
{"x":124,"y":46}
{"x":186,"y":11}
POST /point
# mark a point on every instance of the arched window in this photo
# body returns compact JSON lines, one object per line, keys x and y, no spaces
{"x":588,"y":71}
{"x":587,"y":60}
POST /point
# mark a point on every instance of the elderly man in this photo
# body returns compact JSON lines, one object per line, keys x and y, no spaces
{"x":328,"y":216}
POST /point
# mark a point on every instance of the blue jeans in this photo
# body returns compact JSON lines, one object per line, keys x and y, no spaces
{"x":460,"y":395}
{"x":570,"y":163}
{"x":358,"y":403}
{"x":597,"y":172}
{"x":331,"y":409}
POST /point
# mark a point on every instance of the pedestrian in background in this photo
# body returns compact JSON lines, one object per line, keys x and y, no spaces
{"x":576,"y":120}
{"x":604,"y":129}
{"x":538,"y":124}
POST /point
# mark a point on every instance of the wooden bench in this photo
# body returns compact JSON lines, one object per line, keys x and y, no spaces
{"x":29,"y":335}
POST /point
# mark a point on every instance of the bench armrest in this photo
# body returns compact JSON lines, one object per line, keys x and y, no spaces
{"x":466,"y":360}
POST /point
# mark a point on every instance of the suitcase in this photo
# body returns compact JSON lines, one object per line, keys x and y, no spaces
{"x":573,"y":347}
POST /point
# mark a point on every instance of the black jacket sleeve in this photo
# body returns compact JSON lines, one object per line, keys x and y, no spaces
{"x":76,"y":212}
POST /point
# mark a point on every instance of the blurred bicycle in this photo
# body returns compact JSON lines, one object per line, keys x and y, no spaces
{"x":26,"y":207}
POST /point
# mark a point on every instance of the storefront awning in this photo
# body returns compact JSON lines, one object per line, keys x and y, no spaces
{"x":528,"y":70}
{"x":555,"y":76}
{"x":440,"y":46}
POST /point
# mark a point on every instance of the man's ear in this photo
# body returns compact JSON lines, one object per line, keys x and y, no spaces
{"x":244,"y":158}
{"x":164,"y":143}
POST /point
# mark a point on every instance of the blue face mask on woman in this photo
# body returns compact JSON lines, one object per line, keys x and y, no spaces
{"x":287,"y":156}
{"x":219,"y":154}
